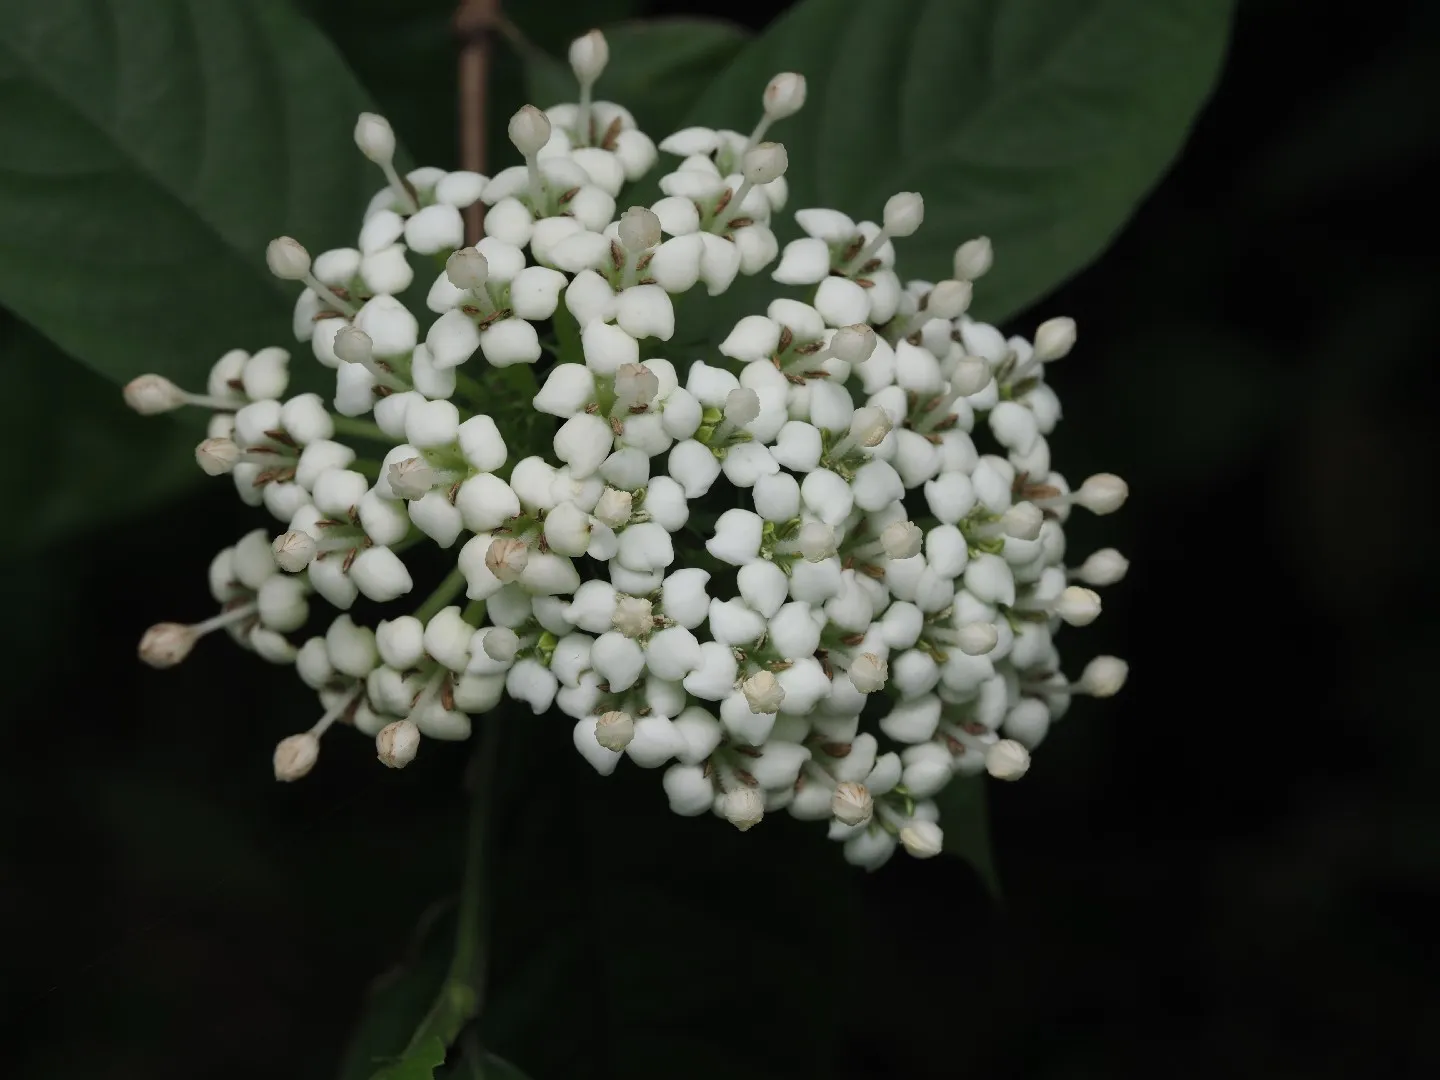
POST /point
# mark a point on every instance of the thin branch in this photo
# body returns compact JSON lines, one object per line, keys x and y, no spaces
{"x":475,"y":24}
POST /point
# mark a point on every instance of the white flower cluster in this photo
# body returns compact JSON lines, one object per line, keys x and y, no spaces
{"x":818,"y":570}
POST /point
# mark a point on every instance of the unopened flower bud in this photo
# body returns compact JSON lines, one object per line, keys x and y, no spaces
{"x":1105,"y":567}
{"x":1054,"y":338}
{"x":784,"y":95}
{"x":743,"y":807}
{"x":976,"y":638}
{"x":853,"y":344}
{"x":869,"y":672}
{"x":742,"y":406}
{"x":639,"y":229}
{"x":1104,"y":676}
{"x":948,"y":300}
{"x":869,"y":426}
{"x":852,"y":803}
{"x":763,"y":692}
{"x":1103,"y":493}
{"x":614,"y":730}
{"x":396,"y":744}
{"x":294,"y":550}
{"x":971,"y":375}
{"x":166,"y":644}
{"x":287,"y":258}
{"x":922,"y":839}
{"x":529,"y":130}
{"x":411,"y":478}
{"x":216,"y":457}
{"x":375,"y":137}
{"x":634,"y":616}
{"x":150,"y":395}
{"x":507,"y":558}
{"x":1007,"y":760}
{"x":902,"y":539}
{"x":816,"y":541}
{"x":765,"y":162}
{"x":974,"y":258}
{"x":295,"y":756}
{"x":1023,"y":521}
{"x":353,"y":345}
{"x":903,"y":213}
{"x":467,"y":269}
{"x":614,"y":507}
{"x":588,"y":56}
{"x":1078,"y":606}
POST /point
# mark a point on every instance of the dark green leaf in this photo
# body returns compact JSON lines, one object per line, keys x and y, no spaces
{"x":965,"y":815}
{"x":1039,"y":124}
{"x":418,"y":1064}
{"x":102,"y":461}
{"x":148,"y":152}
{"x":657,"y":69}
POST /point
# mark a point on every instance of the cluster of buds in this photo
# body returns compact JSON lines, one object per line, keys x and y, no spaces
{"x":819,"y":569}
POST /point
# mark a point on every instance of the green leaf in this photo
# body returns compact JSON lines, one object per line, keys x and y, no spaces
{"x":148,"y":152}
{"x":965,"y":816}
{"x":102,"y":461}
{"x":1039,"y":124}
{"x":419,"y":1064}
{"x":658,"y":68}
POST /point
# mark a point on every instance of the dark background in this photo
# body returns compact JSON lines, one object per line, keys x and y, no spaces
{"x":1229,"y":869}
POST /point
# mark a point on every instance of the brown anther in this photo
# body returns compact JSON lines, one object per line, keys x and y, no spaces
{"x":348,"y":716}
{"x":349,"y":560}
{"x":617,"y":426}
{"x":948,"y":423}
{"x":1036,"y":492}
{"x":331,"y":523}
{"x":870,"y":267}
{"x":566,"y":196}
{"x":915,"y":338}
{"x":787,"y":338}
{"x":739,"y":222}
{"x":604,"y":688}
{"x":853,"y":249}
{"x":873,"y":571}
{"x":354,"y":515}
{"x":612,"y":135}
{"x":810,"y":348}
{"x":617,"y":256}
{"x":864,"y":283}
{"x":327,"y":313}
{"x":780,"y":665}
{"x":542,"y":544}
{"x":265,"y":477}
{"x":973,"y":727}
{"x":235,"y":384}
{"x":709,"y":769}
{"x":724,"y":200}
{"x":644,"y":261}
{"x":746,"y":779}
{"x":836,"y":749}
{"x":340,"y":291}
{"x":934,"y":439}
{"x":817,"y":374}
{"x":447,"y":694}
{"x":592,"y":408}
{"x":852,"y":639}
{"x":454,"y":492}
{"x":646,"y":281}
{"x":284,"y":476}
{"x":261,"y":450}
{"x":409,"y":190}
{"x":748,"y":751}
{"x":799,"y":783}
{"x":646,"y":711}
{"x":776,"y":361}
{"x":485,"y":323}
{"x":383,"y":391}
{"x":956,"y":337}
{"x":637,"y":409}
{"x":470,"y":309}
{"x":954,"y":745}
{"x":798,"y":380}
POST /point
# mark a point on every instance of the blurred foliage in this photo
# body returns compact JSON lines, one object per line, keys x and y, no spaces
{"x":1234,"y":855}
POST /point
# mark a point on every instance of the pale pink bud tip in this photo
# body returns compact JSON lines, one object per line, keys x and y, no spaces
{"x":467,"y":269}
{"x":216,"y":457}
{"x":1103,"y":493}
{"x":852,"y":803}
{"x":974,"y":258}
{"x":784,"y":95}
{"x":765,"y":162}
{"x":150,"y":395}
{"x":1007,"y":760}
{"x":294,"y":551}
{"x":588,"y":56}
{"x":529,"y":130}
{"x":295,"y":757}
{"x":614,"y":730}
{"x":743,"y":807}
{"x":287,"y":258}
{"x":375,"y":138}
{"x":922,"y":839}
{"x":903,"y":213}
{"x":166,"y":644}
{"x":397,"y":743}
